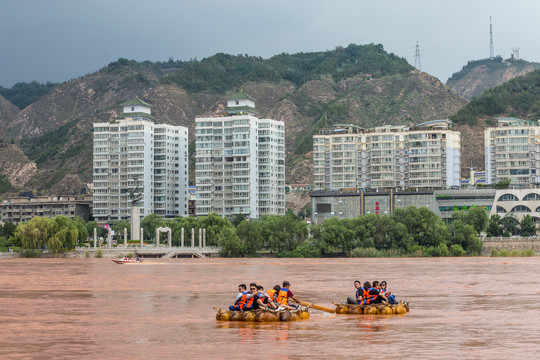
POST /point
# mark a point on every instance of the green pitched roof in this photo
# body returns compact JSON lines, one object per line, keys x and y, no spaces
{"x":240,"y":95}
{"x":136,"y":102}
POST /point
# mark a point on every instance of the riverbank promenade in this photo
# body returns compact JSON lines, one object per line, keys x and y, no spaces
{"x":151,"y":251}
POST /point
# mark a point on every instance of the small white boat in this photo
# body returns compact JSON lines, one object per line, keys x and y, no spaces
{"x":127,"y":261}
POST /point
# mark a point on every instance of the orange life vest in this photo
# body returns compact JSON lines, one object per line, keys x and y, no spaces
{"x":282,"y":298}
{"x":365,"y":297}
{"x":249,"y":303}
{"x":271,"y":293}
{"x":371,"y":298}
{"x":240,"y":304}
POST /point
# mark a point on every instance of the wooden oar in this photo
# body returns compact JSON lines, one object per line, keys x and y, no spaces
{"x":318,"y":307}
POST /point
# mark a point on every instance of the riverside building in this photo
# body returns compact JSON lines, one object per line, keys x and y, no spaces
{"x":240,"y":162}
{"x":426,"y":156}
{"x":133,"y":146}
{"x":512,"y":151}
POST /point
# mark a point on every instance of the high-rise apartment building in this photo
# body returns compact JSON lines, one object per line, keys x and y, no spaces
{"x":134,"y":147}
{"x":425,"y":156}
{"x":512,"y":151}
{"x":240,"y":162}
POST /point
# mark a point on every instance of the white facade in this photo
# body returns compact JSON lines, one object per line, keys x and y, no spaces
{"x":240,"y":163}
{"x":426,"y":156}
{"x":512,"y":151}
{"x":136,"y":147}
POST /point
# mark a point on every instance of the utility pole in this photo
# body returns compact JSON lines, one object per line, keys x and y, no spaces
{"x":491,"y":52}
{"x":417,"y":63}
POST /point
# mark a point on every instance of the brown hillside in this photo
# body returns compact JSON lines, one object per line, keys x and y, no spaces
{"x":67,"y":114}
{"x":8,"y":112}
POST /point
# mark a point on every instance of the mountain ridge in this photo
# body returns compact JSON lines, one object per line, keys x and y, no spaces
{"x":312,"y":90}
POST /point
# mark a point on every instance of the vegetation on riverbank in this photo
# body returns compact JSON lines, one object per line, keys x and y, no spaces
{"x":511,"y":253}
{"x":412,"y":232}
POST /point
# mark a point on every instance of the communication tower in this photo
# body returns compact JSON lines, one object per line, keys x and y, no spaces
{"x":491,"y":55}
{"x":515,"y":53}
{"x":417,"y":63}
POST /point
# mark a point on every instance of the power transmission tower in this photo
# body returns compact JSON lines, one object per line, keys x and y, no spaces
{"x":417,"y":63}
{"x":491,"y":55}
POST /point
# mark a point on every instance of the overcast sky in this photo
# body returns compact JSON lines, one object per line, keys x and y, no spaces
{"x":56,"y":40}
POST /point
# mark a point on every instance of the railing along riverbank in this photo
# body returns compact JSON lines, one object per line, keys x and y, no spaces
{"x":150,"y":251}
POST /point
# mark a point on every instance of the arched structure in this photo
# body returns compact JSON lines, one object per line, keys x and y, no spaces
{"x":521,"y":209}
{"x":169,"y":235}
{"x":508,"y":197}
{"x":531,"y":197}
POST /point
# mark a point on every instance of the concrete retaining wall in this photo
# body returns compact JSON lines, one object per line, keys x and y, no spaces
{"x":511,"y":243}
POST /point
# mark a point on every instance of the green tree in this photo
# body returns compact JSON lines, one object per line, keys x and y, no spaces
{"x":503,"y":184}
{"x":250,"y":234}
{"x":8,"y":230}
{"x":64,"y":233}
{"x":283,"y":233}
{"x":475,"y":216}
{"x":238,"y":219}
{"x":465,"y":235}
{"x":527,"y":226}
{"x":426,"y":228}
{"x":81,"y":229}
{"x":35,"y":233}
{"x":91,"y":225}
{"x":149,"y":224}
{"x":118,"y":228}
{"x":494,"y":227}
{"x":510,"y":223}
{"x":214,"y":225}
{"x":230,"y":244}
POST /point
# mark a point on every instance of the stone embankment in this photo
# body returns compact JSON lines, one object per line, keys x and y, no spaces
{"x":520,"y":243}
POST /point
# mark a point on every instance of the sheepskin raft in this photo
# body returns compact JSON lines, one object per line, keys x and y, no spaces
{"x":373,"y":309}
{"x":263,"y":315}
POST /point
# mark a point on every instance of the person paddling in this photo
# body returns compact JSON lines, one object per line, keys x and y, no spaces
{"x":284,"y":295}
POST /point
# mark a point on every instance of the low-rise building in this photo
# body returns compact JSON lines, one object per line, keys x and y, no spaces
{"x":347,"y":205}
{"x":21,"y":209}
{"x":519,"y":202}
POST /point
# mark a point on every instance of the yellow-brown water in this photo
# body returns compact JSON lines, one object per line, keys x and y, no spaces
{"x":161,"y":309}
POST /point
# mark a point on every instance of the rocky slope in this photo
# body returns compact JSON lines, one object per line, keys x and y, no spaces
{"x":478,"y":76}
{"x":8,"y":112}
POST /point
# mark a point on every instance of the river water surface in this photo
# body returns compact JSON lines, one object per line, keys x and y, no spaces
{"x":160,"y":309}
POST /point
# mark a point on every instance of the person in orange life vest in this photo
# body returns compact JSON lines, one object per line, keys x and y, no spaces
{"x":391,"y":297}
{"x":358,"y":295}
{"x":241,"y":299}
{"x":272,"y":294}
{"x":262,"y":298}
{"x":251,"y":297}
{"x":374,"y":296}
{"x":284,"y":295}
{"x":365,"y":293}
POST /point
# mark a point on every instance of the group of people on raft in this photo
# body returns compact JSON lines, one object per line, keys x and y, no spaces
{"x":375,"y":293}
{"x":256,"y":298}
